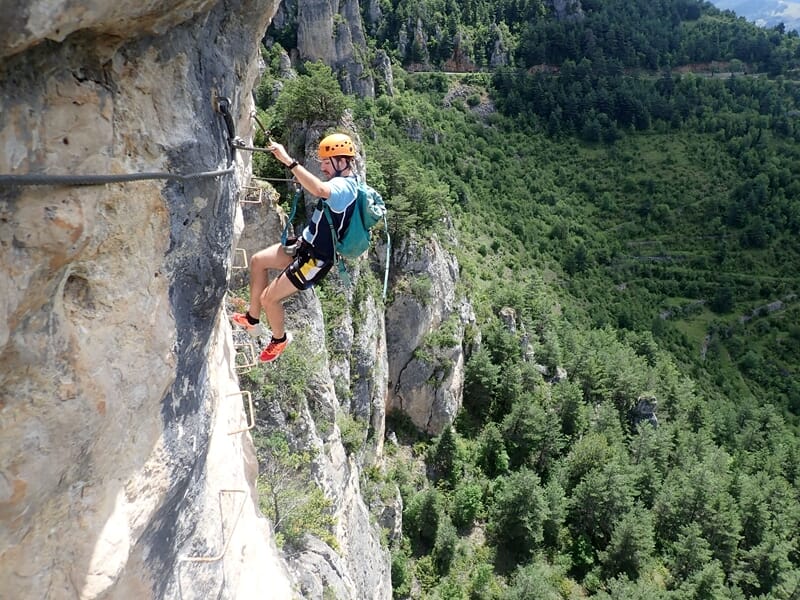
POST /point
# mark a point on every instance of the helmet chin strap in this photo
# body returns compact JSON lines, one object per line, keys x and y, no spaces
{"x":338,"y":172}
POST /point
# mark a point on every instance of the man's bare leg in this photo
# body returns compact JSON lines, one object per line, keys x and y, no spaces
{"x":270,"y":258}
{"x":272,"y":300}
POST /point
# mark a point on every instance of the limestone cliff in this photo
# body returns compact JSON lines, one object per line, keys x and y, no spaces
{"x":120,"y":472}
{"x":567,"y":10}
{"x":331,"y":32}
{"x":426,"y":326}
{"x":127,"y":467}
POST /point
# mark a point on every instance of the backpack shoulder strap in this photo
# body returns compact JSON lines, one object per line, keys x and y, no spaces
{"x":329,"y":217}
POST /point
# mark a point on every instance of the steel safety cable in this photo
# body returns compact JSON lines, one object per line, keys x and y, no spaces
{"x":103,"y":179}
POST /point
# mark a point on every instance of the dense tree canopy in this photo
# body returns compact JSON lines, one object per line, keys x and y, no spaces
{"x":633,"y":201}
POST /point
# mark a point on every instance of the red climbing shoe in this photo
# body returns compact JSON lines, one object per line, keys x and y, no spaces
{"x":240,"y":319}
{"x":275,"y":349}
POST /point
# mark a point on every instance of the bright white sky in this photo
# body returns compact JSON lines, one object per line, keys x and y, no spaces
{"x":765,"y":12}
{"x":792,"y":10}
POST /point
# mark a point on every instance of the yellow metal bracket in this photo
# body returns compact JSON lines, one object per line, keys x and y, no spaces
{"x":247,"y":352}
{"x":245,"y":394}
{"x":216,"y":557}
{"x":243,"y":253}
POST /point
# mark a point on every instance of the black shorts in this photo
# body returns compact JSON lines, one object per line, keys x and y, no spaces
{"x":306,"y":269}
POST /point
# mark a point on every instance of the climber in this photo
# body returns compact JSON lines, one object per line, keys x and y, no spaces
{"x":308,"y":260}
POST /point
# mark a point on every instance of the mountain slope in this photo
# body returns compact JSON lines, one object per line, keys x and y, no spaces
{"x":627,"y":234}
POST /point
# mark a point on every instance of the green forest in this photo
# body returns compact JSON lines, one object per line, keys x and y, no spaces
{"x":627,"y":182}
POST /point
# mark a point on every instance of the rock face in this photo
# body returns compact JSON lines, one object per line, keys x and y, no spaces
{"x":119,"y":473}
{"x":331,"y":32}
{"x":567,"y":10}
{"x":425,"y":328}
{"x":359,"y":568}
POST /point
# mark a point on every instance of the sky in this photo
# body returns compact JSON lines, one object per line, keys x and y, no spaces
{"x":767,"y":13}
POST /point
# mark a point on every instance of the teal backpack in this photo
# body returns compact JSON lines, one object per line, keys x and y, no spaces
{"x":370,"y":209}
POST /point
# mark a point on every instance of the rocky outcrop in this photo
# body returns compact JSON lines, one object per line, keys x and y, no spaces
{"x":501,"y":52}
{"x":374,"y":14}
{"x":333,"y":33}
{"x":383,"y":68}
{"x":461,"y":60}
{"x":567,"y":10}
{"x":359,"y":567}
{"x":425,"y":328}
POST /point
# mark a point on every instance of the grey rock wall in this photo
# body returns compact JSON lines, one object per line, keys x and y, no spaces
{"x":426,"y":377}
{"x":117,"y":399}
{"x":331,"y":31}
{"x":567,"y":10}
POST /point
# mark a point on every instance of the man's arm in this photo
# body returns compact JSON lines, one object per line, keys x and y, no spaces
{"x":312,"y":184}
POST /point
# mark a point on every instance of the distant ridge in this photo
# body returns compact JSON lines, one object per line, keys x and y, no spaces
{"x":766,"y":13}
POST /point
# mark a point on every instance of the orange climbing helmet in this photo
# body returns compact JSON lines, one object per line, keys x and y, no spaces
{"x":337,"y":144}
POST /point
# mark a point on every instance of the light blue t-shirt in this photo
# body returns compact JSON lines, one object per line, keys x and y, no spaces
{"x":341,"y":204}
